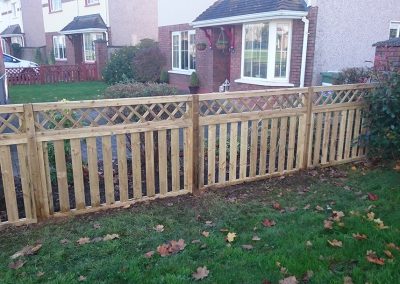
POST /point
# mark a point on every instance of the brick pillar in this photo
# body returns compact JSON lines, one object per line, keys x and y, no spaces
{"x":101,"y":56}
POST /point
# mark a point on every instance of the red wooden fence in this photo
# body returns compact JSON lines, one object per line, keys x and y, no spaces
{"x":51,"y":74}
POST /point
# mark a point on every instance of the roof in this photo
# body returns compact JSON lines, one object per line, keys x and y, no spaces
{"x":391,"y":42}
{"x":12,"y":30}
{"x":81,"y":23}
{"x":232,"y":8}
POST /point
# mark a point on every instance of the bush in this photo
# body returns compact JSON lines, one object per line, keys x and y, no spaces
{"x":16,"y":50}
{"x":354,"y":76}
{"x":383,"y":117}
{"x":120,"y":67}
{"x":194,"y":80}
{"x":136,"y":90}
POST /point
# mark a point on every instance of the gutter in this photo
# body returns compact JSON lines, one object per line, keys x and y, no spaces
{"x":304,"y":53}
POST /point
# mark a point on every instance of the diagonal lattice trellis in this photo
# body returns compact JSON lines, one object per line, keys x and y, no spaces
{"x":339,"y":97}
{"x":11,"y":123}
{"x":251,"y":104}
{"x":108,"y":116}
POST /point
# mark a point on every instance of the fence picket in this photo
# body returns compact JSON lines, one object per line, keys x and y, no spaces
{"x":136,"y":166}
{"x":292,"y":138}
{"x":223,"y":132}
{"x":108,"y":170}
{"x":325,"y":138}
{"x":282,"y":145}
{"x":334,"y":141}
{"x":263,"y":147}
{"x":122,"y":168}
{"x":25,"y":181}
{"x":244,"y":135}
{"x":272,"y":146}
{"x":175,"y":160}
{"x":93,"y":172}
{"x":62,"y":181}
{"x":253,"y":148}
{"x":211,"y":151}
{"x":8,"y":184}
{"x":233,"y":148}
{"x":349,"y":134}
{"x":76,"y":155}
{"x":149,"y":152}
{"x":341,"y":142}
{"x":356,"y":133}
{"x":162,"y":161}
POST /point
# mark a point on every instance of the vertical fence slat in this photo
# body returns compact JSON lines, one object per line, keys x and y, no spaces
{"x":272,"y":146}
{"x":122,"y":168}
{"x":349,"y":133}
{"x":211,"y":151}
{"x":244,"y":135}
{"x":318,"y":134}
{"x":282,"y":145}
{"x":136,"y":166}
{"x":76,"y":155}
{"x":43,"y":156}
{"x":108,"y":170}
{"x":342,"y":133}
{"x":356,"y":133}
{"x":325,"y":139}
{"x":8,"y":184}
{"x":61,"y":175}
{"x":253,"y":148}
{"x":195,"y":146}
{"x":201,"y":156}
{"x":25,"y":181}
{"x":292,"y":139}
{"x":301,"y":137}
{"x":162,"y":161}
{"x":175,"y":148}
{"x":93,"y":168}
{"x":333,"y":146}
{"x":149,"y":152}
{"x":263,"y":147}
{"x":223,"y":132}
{"x":233,"y":148}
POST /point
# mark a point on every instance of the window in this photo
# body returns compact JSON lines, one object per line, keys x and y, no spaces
{"x":266,"y":52}
{"x":55,"y":5}
{"x":14,"y":9}
{"x":88,"y":39}
{"x":394,"y":29}
{"x":91,"y":2}
{"x":184,"y":51}
{"x":59,"y":48}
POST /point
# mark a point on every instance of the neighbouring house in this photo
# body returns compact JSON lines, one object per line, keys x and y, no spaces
{"x":71,"y":27}
{"x":258,"y":44}
{"x":21,"y":22}
{"x":387,"y":55}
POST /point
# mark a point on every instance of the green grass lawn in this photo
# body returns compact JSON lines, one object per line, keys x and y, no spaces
{"x":56,"y":92}
{"x":296,"y":244}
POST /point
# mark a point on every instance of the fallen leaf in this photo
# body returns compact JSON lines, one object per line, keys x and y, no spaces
{"x":328,"y":224}
{"x":96,"y":226}
{"x":64,"y":241}
{"x":40,"y":274}
{"x":171,"y":248}
{"x":110,"y":237}
{"x":83,"y":241}
{"x":82,"y":278}
{"x":256,"y":238}
{"x":289,"y":280}
{"x":335,"y":243}
{"x":380,"y":224}
{"x":149,"y":254}
{"x":205,"y":234}
{"x":347,"y":280}
{"x":393,"y":246}
{"x":16,"y":264}
{"x":388,"y":253}
{"x":309,"y":244}
{"x":307,"y":207}
{"x":159,"y":228}
{"x":28,"y":250}
{"x":200,"y":273}
{"x":163,"y":250}
{"x":307,"y":276}
{"x":276,"y":206}
{"x":372,"y":197}
{"x":337,"y":216}
{"x":224,"y":230}
{"x":231,"y":237}
{"x":360,"y":237}
{"x":269,"y":223}
{"x":371,"y":216}
{"x":209,"y":223}
{"x":247,"y":247}
{"x":196,"y":242}
{"x":319,"y":208}
{"x":292,"y":209}
{"x":373,"y":258}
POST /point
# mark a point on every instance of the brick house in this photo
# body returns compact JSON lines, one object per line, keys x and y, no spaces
{"x":387,"y":55}
{"x":276,"y":43}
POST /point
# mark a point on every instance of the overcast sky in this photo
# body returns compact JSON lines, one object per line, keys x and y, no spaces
{"x":171,"y":12}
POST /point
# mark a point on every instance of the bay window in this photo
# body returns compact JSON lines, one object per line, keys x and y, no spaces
{"x":88,"y":45}
{"x":59,"y":47}
{"x":266,"y":51}
{"x":184,"y":51}
{"x":394,"y":29}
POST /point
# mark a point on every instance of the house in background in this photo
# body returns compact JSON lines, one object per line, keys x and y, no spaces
{"x":72,"y":26}
{"x":276,"y":43}
{"x":21,"y":22}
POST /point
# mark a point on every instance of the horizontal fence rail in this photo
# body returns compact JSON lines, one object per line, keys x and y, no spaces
{"x":76,"y":157}
{"x":51,"y":74}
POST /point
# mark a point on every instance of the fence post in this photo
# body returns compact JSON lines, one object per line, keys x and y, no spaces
{"x":307,"y":140}
{"x":195,"y":145}
{"x":42,"y":207}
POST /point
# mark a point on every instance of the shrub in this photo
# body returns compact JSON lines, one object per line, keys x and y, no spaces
{"x":148,"y":62}
{"x":383,"y":117}
{"x":120,"y":66}
{"x":354,"y":76}
{"x":194,"y":80}
{"x":135,"y":90}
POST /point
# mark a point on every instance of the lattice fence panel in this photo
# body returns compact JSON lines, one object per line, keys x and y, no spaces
{"x":339,"y":96}
{"x":12,"y":123}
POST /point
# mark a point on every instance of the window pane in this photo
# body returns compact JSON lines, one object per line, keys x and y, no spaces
{"x":192,"y":52}
{"x":256,"y":50}
{"x":393,"y":33}
{"x":282,"y":45}
{"x":175,"y":51}
{"x":184,"y":51}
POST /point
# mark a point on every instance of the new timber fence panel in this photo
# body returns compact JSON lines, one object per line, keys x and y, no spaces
{"x":94,"y":155}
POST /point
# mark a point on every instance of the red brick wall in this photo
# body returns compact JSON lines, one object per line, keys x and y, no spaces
{"x":312,"y":33}
{"x":387,"y":58}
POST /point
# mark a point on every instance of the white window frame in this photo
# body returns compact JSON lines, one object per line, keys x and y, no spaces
{"x":14,"y":9}
{"x":92,"y":47}
{"x":395,"y":25}
{"x":92,"y":2}
{"x":271,"y":79}
{"x":180,"y":70}
{"x":54,"y":8}
{"x":56,"y":54}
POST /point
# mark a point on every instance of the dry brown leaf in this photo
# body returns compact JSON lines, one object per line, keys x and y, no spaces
{"x":28,"y":250}
{"x":205,"y":234}
{"x":276,"y":206}
{"x":268,"y":223}
{"x":289,"y":280}
{"x":319,"y":208}
{"x":231,"y":237}
{"x":110,"y":237}
{"x":200,"y":273}
{"x":149,"y":254}
{"x":347,"y":280}
{"x":373,"y":258}
{"x":393,"y":246}
{"x":388,"y":253}
{"x":360,"y":237}
{"x":328,"y":224}
{"x":337,"y":216}
{"x":247,"y":247}
{"x":82,"y":278}
{"x":371,"y":216}
{"x":224,"y":230}
{"x":40,"y":274}
{"x":256,"y":238}
{"x":307,"y":207}
{"x":380,"y":224}
{"x":83,"y":241}
{"x":372,"y":197}
{"x":309,"y":244}
{"x":335,"y":243}
{"x":159,"y":228}
{"x":16,"y":264}
{"x":163,"y":250}
{"x":171,"y":247}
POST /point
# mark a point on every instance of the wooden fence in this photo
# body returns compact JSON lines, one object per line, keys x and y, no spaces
{"x":51,"y":74}
{"x":76,"y":157}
